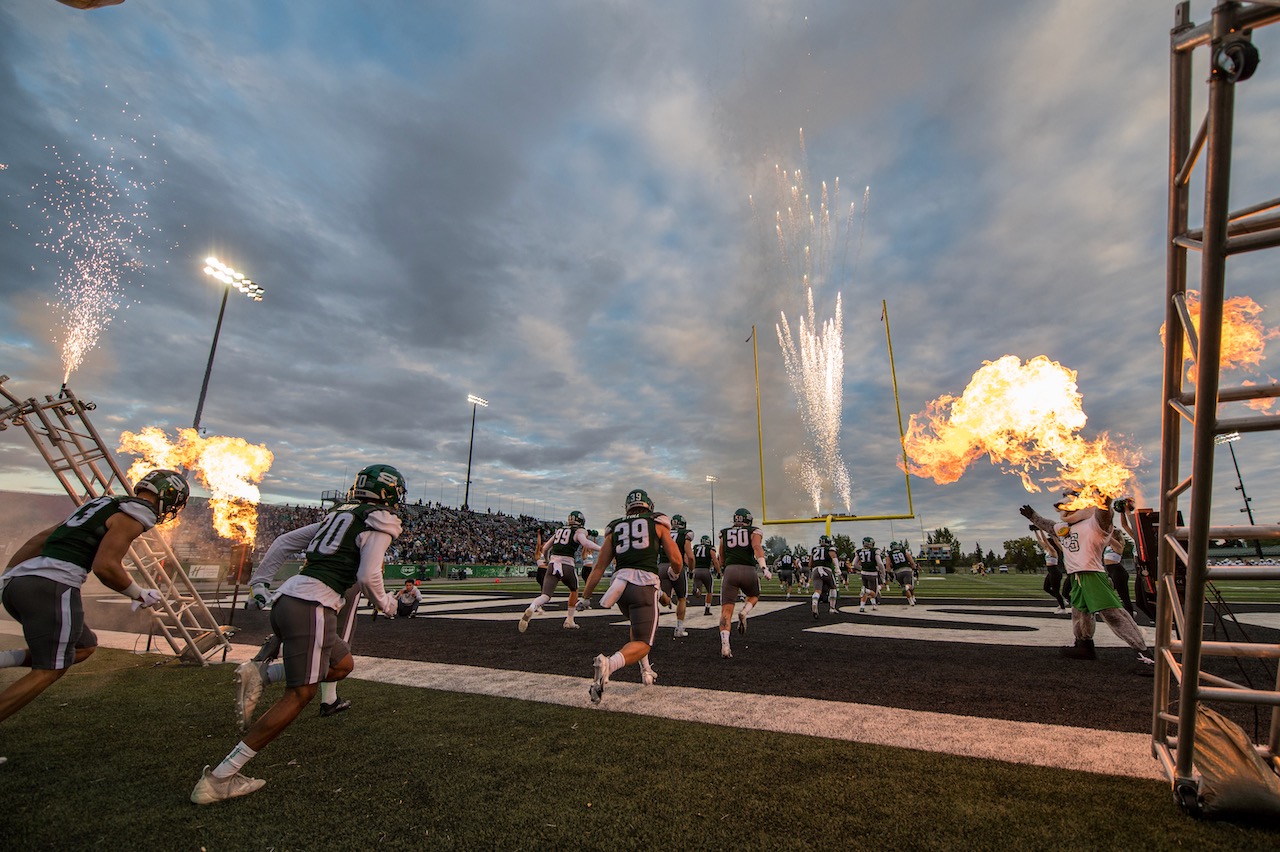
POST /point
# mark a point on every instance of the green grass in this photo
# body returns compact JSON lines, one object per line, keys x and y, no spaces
{"x":108,"y":756}
{"x":931,"y":587}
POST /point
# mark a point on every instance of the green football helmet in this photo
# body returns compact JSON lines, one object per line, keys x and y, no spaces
{"x":868,"y":541}
{"x":678,"y":522}
{"x":379,"y":483}
{"x":577,"y":519}
{"x":824,"y":540}
{"x":706,"y":539}
{"x":637,"y":501}
{"x":742,"y":517}
{"x":171,"y":490}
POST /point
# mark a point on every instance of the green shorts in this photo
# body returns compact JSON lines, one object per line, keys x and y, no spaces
{"x":1092,"y":592}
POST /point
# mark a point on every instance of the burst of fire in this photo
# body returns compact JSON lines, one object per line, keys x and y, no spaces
{"x":229,"y":468}
{"x":1244,"y":337}
{"x":1026,"y":418}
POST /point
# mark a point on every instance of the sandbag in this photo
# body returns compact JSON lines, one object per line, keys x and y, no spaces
{"x":1235,"y":781}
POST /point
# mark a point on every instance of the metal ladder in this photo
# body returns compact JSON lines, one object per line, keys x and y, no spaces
{"x":1180,"y":684}
{"x":60,"y":428}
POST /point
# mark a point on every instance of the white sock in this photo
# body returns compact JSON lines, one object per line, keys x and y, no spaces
{"x":328,"y":692}
{"x":644,"y":664}
{"x":539,"y":601}
{"x":275,"y":672}
{"x":815,"y":597}
{"x":10,"y":659}
{"x":724,"y":638}
{"x":746,"y":608}
{"x":233,"y":762}
{"x":679,"y":624}
{"x":616,"y":662}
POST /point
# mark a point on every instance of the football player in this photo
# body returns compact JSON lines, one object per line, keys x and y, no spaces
{"x":41,"y":586}
{"x":706,"y":564}
{"x":343,"y":550}
{"x":677,"y":584}
{"x":870,"y":564}
{"x":903,"y":566}
{"x":786,"y":572}
{"x":634,"y":542}
{"x":1053,"y":580}
{"x":825,"y":564}
{"x":559,"y":552}
{"x":742,"y":555}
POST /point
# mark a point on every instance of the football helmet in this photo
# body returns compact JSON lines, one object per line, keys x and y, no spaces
{"x":824,"y":540}
{"x":638,"y":501}
{"x":742,"y":517}
{"x":868,"y":541}
{"x":678,"y":522}
{"x":379,"y":483}
{"x":577,"y":519}
{"x":171,"y":490}
{"x":706,"y":539}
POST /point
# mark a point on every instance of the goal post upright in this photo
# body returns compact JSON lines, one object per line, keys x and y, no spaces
{"x":829,"y":519}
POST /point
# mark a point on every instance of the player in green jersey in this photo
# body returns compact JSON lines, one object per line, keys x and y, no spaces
{"x":41,"y":586}
{"x":343,"y":550}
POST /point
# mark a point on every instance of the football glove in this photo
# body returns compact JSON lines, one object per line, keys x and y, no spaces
{"x":1027,"y":512}
{"x":258,"y":600}
{"x":147,"y":597}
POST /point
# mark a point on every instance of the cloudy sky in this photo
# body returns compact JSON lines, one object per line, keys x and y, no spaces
{"x":568,"y":208}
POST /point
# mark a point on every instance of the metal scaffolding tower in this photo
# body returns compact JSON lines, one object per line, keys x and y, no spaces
{"x":1181,"y":686}
{"x":60,"y":428}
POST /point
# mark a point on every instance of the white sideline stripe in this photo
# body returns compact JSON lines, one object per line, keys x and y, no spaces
{"x":1033,"y":743}
{"x":1057,"y":746}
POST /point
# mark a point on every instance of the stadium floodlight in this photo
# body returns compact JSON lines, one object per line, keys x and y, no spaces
{"x":219,"y":271}
{"x":476,"y":402}
{"x":1230,"y":438}
{"x":711,"y":479}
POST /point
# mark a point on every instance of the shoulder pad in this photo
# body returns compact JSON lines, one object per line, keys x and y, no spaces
{"x":140,"y":510}
{"x":384,"y":521}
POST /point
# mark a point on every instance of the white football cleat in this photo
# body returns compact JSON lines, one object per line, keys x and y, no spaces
{"x":601,"y":667}
{"x":210,"y":789}
{"x":248,"y":691}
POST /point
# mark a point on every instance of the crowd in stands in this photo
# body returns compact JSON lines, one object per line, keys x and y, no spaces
{"x":433,"y":534}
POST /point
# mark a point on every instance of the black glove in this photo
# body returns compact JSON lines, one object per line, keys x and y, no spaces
{"x":1027,"y":511}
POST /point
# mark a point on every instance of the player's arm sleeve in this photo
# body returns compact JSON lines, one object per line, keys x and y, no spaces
{"x":373,"y":550}
{"x":603,"y":558}
{"x":286,"y":543}
{"x":585,"y":540}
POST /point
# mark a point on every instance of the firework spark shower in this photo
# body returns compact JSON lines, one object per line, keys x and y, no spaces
{"x":95,"y":225}
{"x":812,"y":254}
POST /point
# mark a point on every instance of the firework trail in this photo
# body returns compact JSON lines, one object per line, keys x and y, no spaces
{"x":814,"y":361}
{"x":96,"y":227}
{"x":812,"y":251}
